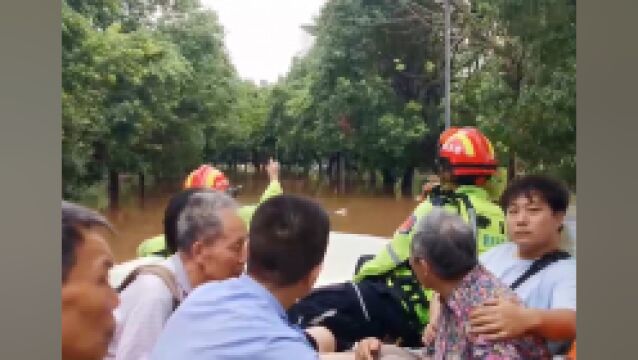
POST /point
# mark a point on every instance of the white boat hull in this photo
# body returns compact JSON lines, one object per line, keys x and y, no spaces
{"x":343,"y":251}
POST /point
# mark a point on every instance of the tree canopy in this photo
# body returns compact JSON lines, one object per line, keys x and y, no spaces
{"x":149,"y":88}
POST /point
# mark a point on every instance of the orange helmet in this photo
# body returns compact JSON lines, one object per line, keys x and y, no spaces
{"x":467,"y":151}
{"x":207,"y":176}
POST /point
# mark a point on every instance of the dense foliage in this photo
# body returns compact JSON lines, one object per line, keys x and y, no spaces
{"x":148,"y":88}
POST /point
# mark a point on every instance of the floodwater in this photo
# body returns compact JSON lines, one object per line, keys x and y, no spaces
{"x":358,"y":210}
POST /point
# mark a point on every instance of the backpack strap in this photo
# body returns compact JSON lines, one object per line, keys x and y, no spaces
{"x":539,"y":264}
{"x":160,"y":271}
{"x":471,"y":213}
{"x":441,"y":198}
{"x":163,"y":253}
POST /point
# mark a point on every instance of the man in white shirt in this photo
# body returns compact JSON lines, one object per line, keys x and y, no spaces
{"x":211,"y":241}
{"x":535,"y":208}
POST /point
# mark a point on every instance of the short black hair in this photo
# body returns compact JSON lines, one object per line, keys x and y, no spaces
{"x":176,"y":204}
{"x":447,"y":243}
{"x":75,"y":218}
{"x":552,"y":191}
{"x":288,"y":238}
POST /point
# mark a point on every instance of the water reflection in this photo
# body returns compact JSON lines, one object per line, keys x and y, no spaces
{"x":361,"y":209}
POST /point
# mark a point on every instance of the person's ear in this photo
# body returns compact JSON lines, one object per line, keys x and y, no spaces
{"x":197,"y":251}
{"x":69,"y":295}
{"x":559,"y":218}
{"x":312,"y":277}
{"x":423,"y":267}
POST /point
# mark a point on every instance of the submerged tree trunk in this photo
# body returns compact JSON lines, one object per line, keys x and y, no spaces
{"x":113,"y":189}
{"x":373,"y":178}
{"x":331,"y":170}
{"x":406,"y":182}
{"x":256,"y":161}
{"x":388,"y":181}
{"x":342,"y":173}
{"x":141,"y":184}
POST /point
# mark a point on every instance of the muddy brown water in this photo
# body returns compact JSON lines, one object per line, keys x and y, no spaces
{"x":359,"y":210}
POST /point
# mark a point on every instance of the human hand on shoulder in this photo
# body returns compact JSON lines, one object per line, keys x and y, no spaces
{"x":501,"y":318}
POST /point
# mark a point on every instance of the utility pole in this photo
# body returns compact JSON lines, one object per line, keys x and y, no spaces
{"x":447,"y":63}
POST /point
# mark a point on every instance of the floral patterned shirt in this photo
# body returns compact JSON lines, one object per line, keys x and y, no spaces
{"x":453,"y":338}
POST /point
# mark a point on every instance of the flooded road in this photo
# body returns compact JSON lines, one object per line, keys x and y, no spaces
{"x":357,"y":211}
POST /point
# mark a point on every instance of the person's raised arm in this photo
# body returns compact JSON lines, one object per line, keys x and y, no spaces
{"x":274,"y":187}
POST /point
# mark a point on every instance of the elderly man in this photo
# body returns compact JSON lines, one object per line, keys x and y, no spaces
{"x":444,"y":258}
{"x":245,"y":318}
{"x":87,"y":298}
{"x":211,"y":245}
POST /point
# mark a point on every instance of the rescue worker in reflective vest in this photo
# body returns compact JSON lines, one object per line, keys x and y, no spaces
{"x":385,"y":299}
{"x":206,"y":176}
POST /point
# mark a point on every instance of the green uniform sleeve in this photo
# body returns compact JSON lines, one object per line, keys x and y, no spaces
{"x":152,"y":246}
{"x":400,"y":244}
{"x":496,"y":184}
{"x":273,"y":189}
{"x":246,"y":212}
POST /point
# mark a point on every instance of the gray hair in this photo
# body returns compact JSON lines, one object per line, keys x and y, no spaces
{"x":446,"y":242}
{"x":201,"y":217}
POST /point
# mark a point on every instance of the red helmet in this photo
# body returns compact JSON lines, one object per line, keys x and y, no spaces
{"x":207,"y":176}
{"x":467,"y":151}
{"x":446,"y":134}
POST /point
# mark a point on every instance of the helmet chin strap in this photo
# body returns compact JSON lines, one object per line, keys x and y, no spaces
{"x":481,"y":181}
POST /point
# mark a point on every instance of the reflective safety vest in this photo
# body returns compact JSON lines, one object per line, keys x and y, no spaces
{"x":473,"y":204}
{"x":156,"y":246}
{"x":497,"y":183}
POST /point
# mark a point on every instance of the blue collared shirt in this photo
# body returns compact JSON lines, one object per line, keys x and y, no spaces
{"x":232,"y":319}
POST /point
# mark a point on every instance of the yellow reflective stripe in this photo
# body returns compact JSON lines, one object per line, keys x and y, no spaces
{"x":209,"y":180}
{"x":467,"y":144}
{"x":393,"y":254}
{"x":188,"y":181}
{"x":490,"y":147}
{"x":423,"y":313}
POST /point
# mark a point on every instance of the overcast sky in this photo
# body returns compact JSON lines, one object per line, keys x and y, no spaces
{"x":262,"y":36}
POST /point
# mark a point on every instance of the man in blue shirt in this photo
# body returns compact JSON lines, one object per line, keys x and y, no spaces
{"x":245,"y":318}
